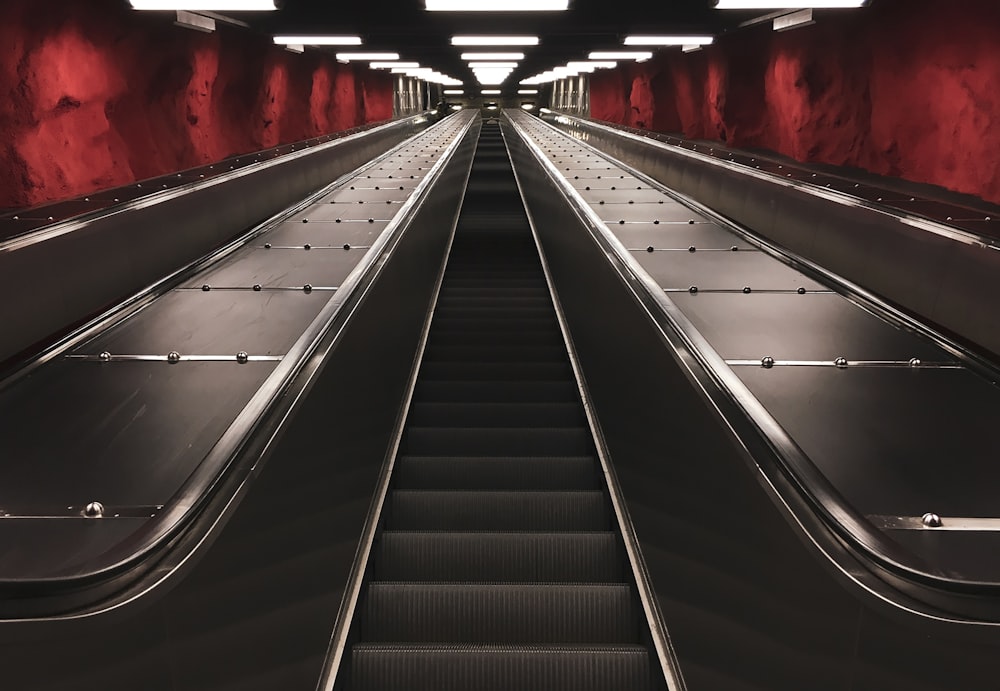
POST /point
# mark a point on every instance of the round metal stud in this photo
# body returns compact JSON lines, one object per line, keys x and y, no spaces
{"x":746,"y":290}
{"x":734,"y":248}
{"x":915,"y":362}
{"x":690,"y":221}
{"x":267,"y":245}
{"x":206,"y":287}
{"x":692,"y":248}
{"x":94,"y":509}
{"x":931,"y":520}
{"x":371,"y":220}
{"x":242,"y":357}
{"x":801,"y":291}
{"x":307,"y":288}
{"x":621,"y":222}
{"x":105,"y":356}
{"x":257,"y":287}
{"x":840,"y":362}
{"x":173,"y":357}
{"x":693,"y":289}
{"x":656,"y":222}
{"x":650,"y":249}
{"x":767,"y":362}
{"x":305,"y":220}
{"x":347,"y":245}
{"x":307,"y":247}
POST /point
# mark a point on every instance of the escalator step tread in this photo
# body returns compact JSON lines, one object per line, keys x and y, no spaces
{"x":496,"y":391}
{"x":497,"y":510}
{"x":498,"y":441}
{"x":519,"y":613}
{"x":593,"y":557}
{"x":538,"y":371}
{"x":497,"y":474}
{"x":474,"y":414}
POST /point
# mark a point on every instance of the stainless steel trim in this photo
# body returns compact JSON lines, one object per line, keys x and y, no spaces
{"x":947,"y":523}
{"x":77,"y":512}
{"x":669,"y":663}
{"x":308,"y":288}
{"x":105,"y":358}
{"x":767,"y":291}
{"x":908,"y":364}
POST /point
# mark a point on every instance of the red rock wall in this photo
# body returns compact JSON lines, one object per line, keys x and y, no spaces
{"x":906,"y":88}
{"x":94,"y":95}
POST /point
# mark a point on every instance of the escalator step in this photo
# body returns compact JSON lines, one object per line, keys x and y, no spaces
{"x":472,"y":414}
{"x":500,"y":668}
{"x":502,"y":510}
{"x":499,"y":336}
{"x":499,"y":557}
{"x":498,"y":441}
{"x":492,"y":391}
{"x":499,"y":613}
{"x":475,"y":473}
{"x":487,"y":352}
{"x":538,"y":371}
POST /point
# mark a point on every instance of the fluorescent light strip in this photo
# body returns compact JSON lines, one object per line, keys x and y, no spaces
{"x":390,"y":65}
{"x":506,"y":6}
{"x":318,"y":40}
{"x":206,"y":5}
{"x":367,"y":56}
{"x":787,"y":4}
{"x":620,"y":55}
{"x":488,"y":65}
{"x":491,"y":92}
{"x":596,"y":64}
{"x":494,"y":40}
{"x":668,"y":40}
{"x":526,"y":92}
{"x":473,"y":57}
{"x":454,"y":92}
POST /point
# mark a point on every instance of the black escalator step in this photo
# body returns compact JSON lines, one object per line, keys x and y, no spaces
{"x":478,"y":473}
{"x":487,"y":322}
{"x":493,"y":391}
{"x":474,"y":414}
{"x":499,"y":337}
{"x":499,"y":557}
{"x":538,"y":371}
{"x":499,"y":668}
{"x":500,"y":613}
{"x":496,"y":511}
{"x":498,"y":441}
{"x":489,"y":352}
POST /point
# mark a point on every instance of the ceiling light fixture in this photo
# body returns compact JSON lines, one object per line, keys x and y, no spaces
{"x":787,"y":4}
{"x":690,"y":49}
{"x":206,"y":5}
{"x":526,"y":92}
{"x":491,"y":92}
{"x":472,"y":57}
{"x":347,"y":57}
{"x":507,"y":6}
{"x":494,"y":40}
{"x":668,"y":40}
{"x":489,"y":65}
{"x":597,"y":64}
{"x":454,"y":92}
{"x":390,"y":65}
{"x":318,"y":40}
{"x":638,"y":56}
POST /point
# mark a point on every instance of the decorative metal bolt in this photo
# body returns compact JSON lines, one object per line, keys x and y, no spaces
{"x":242,"y":357}
{"x":801,"y":291}
{"x":307,"y":288}
{"x":692,"y":248}
{"x":257,"y":287}
{"x":621,"y":222}
{"x":173,"y":357}
{"x":105,"y":356}
{"x":693,"y":289}
{"x":650,"y":249}
{"x":656,"y":222}
{"x":931,"y":520}
{"x":94,"y":509}
{"x":915,"y":362}
{"x":690,"y":221}
{"x":746,"y":290}
{"x":206,"y":287}
{"x":307,"y":247}
{"x":305,"y":220}
{"x":347,"y":245}
{"x":840,"y":362}
{"x":337,"y":221}
{"x":767,"y":362}
{"x":267,"y":245}
{"x":734,"y":248}
{"x":371,"y":220}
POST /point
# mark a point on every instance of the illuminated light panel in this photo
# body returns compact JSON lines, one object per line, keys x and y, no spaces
{"x":491,"y":92}
{"x":506,"y":6}
{"x":690,"y":49}
{"x":367,"y":56}
{"x":489,"y":65}
{"x":528,"y":106}
{"x":318,"y":40}
{"x":454,"y":92}
{"x":596,"y":64}
{"x":787,"y":4}
{"x":475,"y":57}
{"x":206,"y":5}
{"x":456,"y":107}
{"x":668,"y":40}
{"x":391,"y":65}
{"x":494,"y":40}
{"x":636,"y":55}
{"x":527,"y":92}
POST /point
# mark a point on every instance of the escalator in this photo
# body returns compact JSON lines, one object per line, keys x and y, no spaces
{"x":498,"y":564}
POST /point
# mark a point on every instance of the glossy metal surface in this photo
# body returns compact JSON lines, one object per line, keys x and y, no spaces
{"x":751,"y":601}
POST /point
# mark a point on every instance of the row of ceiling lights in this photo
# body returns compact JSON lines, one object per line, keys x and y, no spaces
{"x":490,"y":69}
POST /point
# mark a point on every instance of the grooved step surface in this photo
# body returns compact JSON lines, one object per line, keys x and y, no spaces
{"x":496,"y":668}
{"x":514,"y":557}
{"x":499,"y":613}
{"x":435,"y":510}
{"x":497,"y":473}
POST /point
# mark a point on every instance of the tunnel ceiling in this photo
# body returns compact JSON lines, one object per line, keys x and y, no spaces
{"x":404,"y":26}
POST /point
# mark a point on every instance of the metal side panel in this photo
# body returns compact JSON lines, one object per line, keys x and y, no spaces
{"x":253,"y":607}
{"x":751,"y":601}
